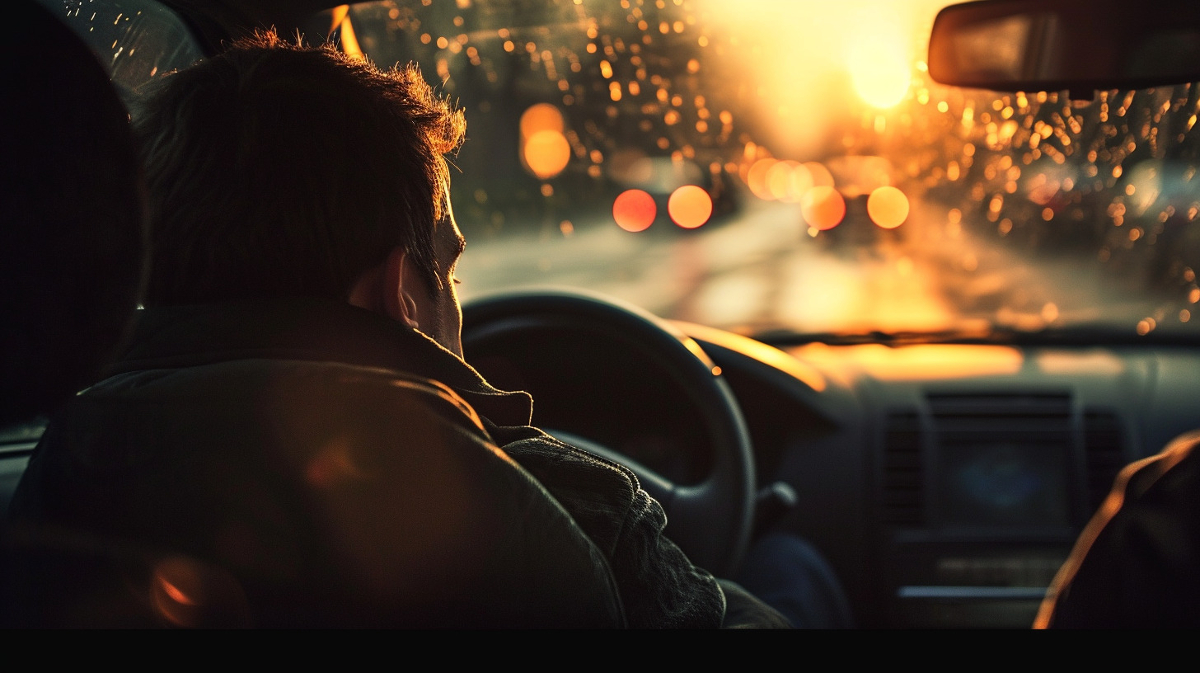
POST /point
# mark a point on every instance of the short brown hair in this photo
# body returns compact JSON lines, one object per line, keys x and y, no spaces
{"x":277,"y":170}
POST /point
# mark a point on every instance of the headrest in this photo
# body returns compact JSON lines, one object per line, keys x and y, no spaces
{"x":71,"y":215}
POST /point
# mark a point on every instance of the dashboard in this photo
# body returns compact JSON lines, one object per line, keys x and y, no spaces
{"x":946,"y":483}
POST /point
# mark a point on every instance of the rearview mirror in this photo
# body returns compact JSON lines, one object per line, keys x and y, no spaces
{"x":1074,"y":45}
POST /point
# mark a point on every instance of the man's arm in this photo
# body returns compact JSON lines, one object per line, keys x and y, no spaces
{"x":659,"y":585}
{"x":1137,"y":563}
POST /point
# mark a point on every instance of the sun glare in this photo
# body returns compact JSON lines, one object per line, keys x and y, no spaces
{"x":796,"y":55}
{"x":879,"y":68}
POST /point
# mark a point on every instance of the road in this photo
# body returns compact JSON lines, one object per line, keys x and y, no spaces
{"x":763,"y":269}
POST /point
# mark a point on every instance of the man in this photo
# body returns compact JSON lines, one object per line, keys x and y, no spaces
{"x":293,"y":437}
{"x":1134,"y":565}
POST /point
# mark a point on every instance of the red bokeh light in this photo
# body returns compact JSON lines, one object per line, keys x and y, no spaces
{"x":634,"y":210}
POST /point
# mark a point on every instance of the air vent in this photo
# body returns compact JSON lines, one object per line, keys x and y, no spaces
{"x":1104,"y":447}
{"x":903,"y":478}
{"x":1045,"y":417}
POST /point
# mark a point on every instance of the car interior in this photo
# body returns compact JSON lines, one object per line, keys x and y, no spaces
{"x":921,"y":325}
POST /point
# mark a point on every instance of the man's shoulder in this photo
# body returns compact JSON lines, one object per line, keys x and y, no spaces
{"x":281,"y":415}
{"x":281,"y":384}
{"x":1134,"y":565}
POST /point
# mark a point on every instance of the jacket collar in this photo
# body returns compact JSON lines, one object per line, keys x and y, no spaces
{"x":318,"y":330}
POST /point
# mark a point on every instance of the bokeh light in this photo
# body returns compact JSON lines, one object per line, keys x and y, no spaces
{"x":859,"y":175}
{"x":823,"y":207}
{"x":690,"y":206}
{"x":789,"y":181}
{"x":544,"y":148}
{"x":801,"y":182}
{"x":779,"y":180}
{"x":887,"y":207}
{"x":634,"y":210}
{"x":821,"y":177}
{"x":546,"y":153}
{"x":756,"y":179}
{"x":541,"y":117}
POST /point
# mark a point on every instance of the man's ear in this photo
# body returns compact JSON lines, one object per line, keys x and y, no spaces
{"x":401,"y":285}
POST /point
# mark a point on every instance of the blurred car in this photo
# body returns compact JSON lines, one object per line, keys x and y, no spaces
{"x":946,"y":316}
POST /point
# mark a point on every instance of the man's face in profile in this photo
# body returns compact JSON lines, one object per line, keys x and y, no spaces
{"x":441,"y":317}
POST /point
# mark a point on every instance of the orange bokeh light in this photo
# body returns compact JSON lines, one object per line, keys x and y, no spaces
{"x":690,"y":206}
{"x":824,"y":207}
{"x":634,"y":210}
{"x":887,"y":207}
{"x":821,"y":177}
{"x":779,"y":180}
{"x":541,"y":117}
{"x":546,"y":153}
{"x":756,"y":179}
{"x":801,"y":182}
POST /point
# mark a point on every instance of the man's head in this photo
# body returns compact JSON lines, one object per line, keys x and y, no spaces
{"x":281,"y":171}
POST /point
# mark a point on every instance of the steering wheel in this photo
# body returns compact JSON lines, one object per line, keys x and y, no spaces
{"x":709,"y":520}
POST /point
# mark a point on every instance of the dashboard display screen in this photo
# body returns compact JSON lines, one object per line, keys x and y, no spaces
{"x":1003,"y":484}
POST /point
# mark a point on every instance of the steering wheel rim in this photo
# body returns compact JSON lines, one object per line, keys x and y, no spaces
{"x":711,"y":521}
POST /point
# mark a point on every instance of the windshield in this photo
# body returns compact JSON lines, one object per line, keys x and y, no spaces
{"x":780,"y":165}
